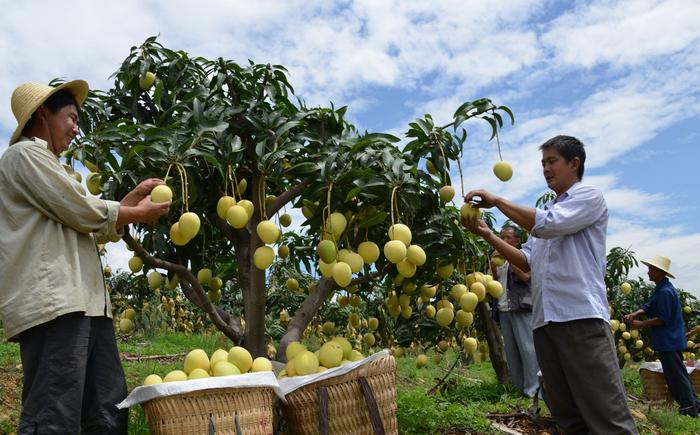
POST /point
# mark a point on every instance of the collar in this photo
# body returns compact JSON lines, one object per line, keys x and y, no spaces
{"x":564,"y":195}
{"x":34,"y":139}
{"x":662,"y":283}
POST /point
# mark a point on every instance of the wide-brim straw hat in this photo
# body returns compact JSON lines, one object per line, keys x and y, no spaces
{"x":27,"y":97}
{"x":660,"y":262}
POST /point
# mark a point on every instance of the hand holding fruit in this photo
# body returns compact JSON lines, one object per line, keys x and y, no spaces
{"x":496,"y":260}
{"x":487,"y":199}
{"x":142,"y":190}
{"x":477,"y":226}
{"x":150,"y":211}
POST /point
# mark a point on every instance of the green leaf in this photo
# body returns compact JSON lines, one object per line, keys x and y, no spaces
{"x":509,"y":112}
{"x":214,"y":125}
{"x":376,"y":219}
{"x":304,"y":168}
{"x":494,"y":128}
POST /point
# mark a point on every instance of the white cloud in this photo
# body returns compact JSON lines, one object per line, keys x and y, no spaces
{"x":623,"y":33}
{"x":675,"y":242}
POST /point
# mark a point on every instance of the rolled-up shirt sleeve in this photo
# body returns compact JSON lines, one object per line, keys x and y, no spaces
{"x":581,"y":210}
{"x":46,"y":186}
{"x":526,"y":249}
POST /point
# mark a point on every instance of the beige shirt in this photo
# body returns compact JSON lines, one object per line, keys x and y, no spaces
{"x":49,"y":227}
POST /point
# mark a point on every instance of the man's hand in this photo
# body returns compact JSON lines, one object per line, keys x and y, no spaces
{"x":134,"y":198}
{"x":150,"y":211}
{"x":636,"y":324}
{"x":693,"y":331}
{"x":486,"y":199}
{"x":477,"y":226}
{"x":629,"y":317}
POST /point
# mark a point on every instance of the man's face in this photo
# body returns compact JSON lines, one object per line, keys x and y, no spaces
{"x":656,"y":274}
{"x":63,"y":127}
{"x":510,"y":237}
{"x":558,"y":173}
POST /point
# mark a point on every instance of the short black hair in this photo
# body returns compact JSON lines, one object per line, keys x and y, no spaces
{"x":517,"y":231}
{"x":54,"y":103}
{"x":569,"y":147}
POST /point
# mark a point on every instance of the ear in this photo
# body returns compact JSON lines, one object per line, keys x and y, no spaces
{"x":576,"y":163}
{"x":41,"y":113}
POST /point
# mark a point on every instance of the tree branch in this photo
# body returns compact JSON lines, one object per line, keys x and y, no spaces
{"x":287,"y":196}
{"x":192,"y":289}
{"x":310,"y":306}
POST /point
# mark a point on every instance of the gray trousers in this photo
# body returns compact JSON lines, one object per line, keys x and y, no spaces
{"x":73,"y":378}
{"x":516,"y":327}
{"x":584,"y":385}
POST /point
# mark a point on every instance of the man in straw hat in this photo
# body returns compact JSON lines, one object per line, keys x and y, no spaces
{"x":664,"y":317}
{"x":53,"y":298}
{"x":565,"y":255}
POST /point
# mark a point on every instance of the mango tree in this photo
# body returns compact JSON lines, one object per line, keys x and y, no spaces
{"x":236,"y":151}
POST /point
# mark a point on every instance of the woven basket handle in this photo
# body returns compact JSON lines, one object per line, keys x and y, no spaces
{"x":212,"y":426}
{"x":372,"y":407}
{"x":374,"y":416}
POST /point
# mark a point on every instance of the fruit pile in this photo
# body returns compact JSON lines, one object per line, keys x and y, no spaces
{"x":198,"y":365}
{"x":300,"y":361}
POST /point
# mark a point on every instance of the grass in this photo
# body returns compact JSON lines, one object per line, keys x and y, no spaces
{"x":467,"y":397}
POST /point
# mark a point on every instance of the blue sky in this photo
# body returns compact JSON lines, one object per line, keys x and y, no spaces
{"x":624,"y":77}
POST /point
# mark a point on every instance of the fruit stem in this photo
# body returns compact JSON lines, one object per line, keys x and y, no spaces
{"x":326,"y":212}
{"x":183,"y":180}
{"x":461,"y":176}
{"x":444,"y":159}
{"x":165,"y":180}
{"x":498,"y":142}
{"x":393,"y":204}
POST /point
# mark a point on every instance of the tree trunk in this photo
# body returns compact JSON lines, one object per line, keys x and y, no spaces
{"x":310,"y":307}
{"x":304,"y":314}
{"x":496,"y":348}
{"x":383,"y":333}
{"x":254,"y":293}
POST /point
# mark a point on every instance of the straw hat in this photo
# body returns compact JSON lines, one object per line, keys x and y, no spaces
{"x":27,"y":97}
{"x":660,"y":262}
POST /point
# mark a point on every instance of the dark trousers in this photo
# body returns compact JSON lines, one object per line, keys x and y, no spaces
{"x":584,"y":385}
{"x":679,"y":383}
{"x":73,"y":378}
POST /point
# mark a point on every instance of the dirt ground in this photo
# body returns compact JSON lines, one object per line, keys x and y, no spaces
{"x":10,"y":394}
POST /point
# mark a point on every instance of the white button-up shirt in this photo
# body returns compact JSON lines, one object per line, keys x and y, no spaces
{"x":49,"y":264}
{"x":566,"y":254}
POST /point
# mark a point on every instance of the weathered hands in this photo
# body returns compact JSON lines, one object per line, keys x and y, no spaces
{"x":150,"y":211}
{"x":636,"y":324}
{"x":141,"y":191}
{"x":477,"y":226}
{"x":487,"y":199}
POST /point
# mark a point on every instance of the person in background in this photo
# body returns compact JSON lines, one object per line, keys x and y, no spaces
{"x":53,"y":298}
{"x":665,"y":318}
{"x":515,"y":316}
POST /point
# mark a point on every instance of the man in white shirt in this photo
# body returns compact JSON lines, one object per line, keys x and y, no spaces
{"x":53,"y":298}
{"x":565,"y":255}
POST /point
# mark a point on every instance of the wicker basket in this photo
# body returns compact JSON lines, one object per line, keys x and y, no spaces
{"x":362,"y":401}
{"x":654,"y":385}
{"x":220,"y":409}
{"x":695,"y":379}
